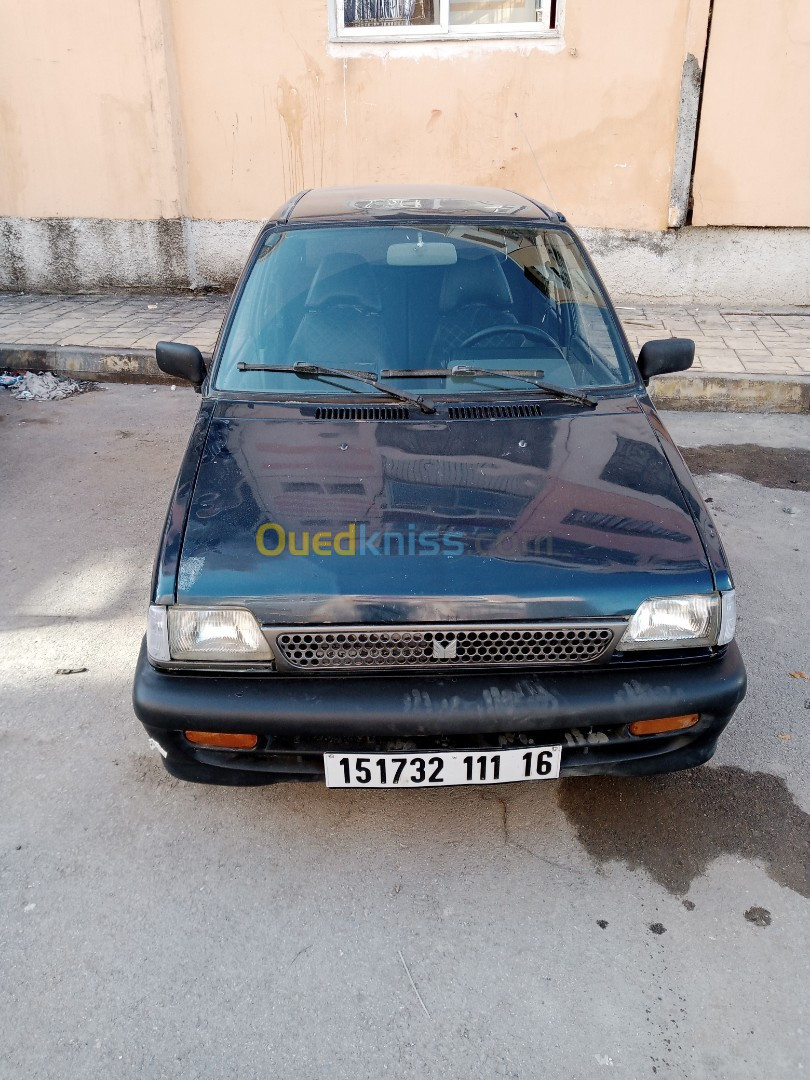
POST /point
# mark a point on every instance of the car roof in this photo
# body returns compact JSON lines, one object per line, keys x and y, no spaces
{"x":405,"y":201}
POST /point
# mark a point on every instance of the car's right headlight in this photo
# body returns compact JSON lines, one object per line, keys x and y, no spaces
{"x":678,"y":622}
{"x":219,"y":635}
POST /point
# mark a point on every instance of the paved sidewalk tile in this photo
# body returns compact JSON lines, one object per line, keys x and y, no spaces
{"x":771,"y":342}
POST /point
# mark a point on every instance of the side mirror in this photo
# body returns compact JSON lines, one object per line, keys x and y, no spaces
{"x":182,"y":361}
{"x":665,"y":356}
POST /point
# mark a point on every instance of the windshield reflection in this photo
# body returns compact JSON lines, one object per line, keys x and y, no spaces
{"x":412,"y":297}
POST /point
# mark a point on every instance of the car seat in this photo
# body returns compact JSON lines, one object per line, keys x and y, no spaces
{"x":342,"y":325}
{"x":475,"y":295}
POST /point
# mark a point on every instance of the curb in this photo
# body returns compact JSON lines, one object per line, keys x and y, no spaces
{"x":697,"y":391}
{"x":92,"y":363}
{"x":701,"y":392}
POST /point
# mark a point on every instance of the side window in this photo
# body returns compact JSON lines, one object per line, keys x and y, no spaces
{"x":403,"y":20}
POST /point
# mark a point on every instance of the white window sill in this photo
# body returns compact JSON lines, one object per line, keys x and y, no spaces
{"x":444,"y":44}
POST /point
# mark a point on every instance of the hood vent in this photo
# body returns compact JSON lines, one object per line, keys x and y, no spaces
{"x":359,"y":412}
{"x":479,"y":412}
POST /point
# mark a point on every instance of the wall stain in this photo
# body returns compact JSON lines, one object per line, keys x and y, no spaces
{"x":317,"y":120}
{"x":62,"y":252}
{"x":13,"y":274}
{"x":291,"y":114}
{"x":302,"y":130}
{"x":171,"y":248}
{"x":94,"y":253}
{"x":674,"y":826}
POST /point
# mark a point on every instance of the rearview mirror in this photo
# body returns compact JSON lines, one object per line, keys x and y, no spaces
{"x":422,"y":254}
{"x":665,"y":356}
{"x":181,"y":361}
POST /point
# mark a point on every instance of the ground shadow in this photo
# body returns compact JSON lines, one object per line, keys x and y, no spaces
{"x":674,"y":826}
{"x":771,"y":466}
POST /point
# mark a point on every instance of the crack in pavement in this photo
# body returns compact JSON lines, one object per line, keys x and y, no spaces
{"x":509,"y":840}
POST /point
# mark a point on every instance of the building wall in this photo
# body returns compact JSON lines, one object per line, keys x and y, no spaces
{"x":266,"y":114}
{"x":753,"y":161}
{"x":84,"y":131}
{"x":158,"y":108}
{"x":142,"y":141}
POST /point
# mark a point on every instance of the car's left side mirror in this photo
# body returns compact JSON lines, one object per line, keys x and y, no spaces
{"x":181,"y":361}
{"x":665,"y":356}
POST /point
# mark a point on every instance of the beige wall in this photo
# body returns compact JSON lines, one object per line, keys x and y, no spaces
{"x":83,"y":129}
{"x":268,"y":113}
{"x":140,"y":109}
{"x":753,"y":161}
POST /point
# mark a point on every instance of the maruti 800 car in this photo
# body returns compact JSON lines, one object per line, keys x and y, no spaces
{"x":429,"y":528}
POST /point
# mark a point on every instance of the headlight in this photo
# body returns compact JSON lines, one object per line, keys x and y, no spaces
{"x":676,"y":622}
{"x":215,"y":634}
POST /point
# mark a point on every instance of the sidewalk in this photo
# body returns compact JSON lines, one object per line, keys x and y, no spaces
{"x":743,"y":358}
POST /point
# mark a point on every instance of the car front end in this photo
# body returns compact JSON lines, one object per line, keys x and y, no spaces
{"x":501,"y":572}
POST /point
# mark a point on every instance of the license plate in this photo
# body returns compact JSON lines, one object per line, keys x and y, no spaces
{"x":442,"y":768}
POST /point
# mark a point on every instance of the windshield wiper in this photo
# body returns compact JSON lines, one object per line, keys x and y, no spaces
{"x":462,"y":371}
{"x":317,"y":371}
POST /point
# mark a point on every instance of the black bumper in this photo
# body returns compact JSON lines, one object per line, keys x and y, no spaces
{"x":298,"y":719}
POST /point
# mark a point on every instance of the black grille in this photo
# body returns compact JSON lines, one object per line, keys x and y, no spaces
{"x":478,"y":412}
{"x":339,"y":412}
{"x":441,"y":647}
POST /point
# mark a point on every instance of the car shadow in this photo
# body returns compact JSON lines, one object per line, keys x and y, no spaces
{"x":673,"y":826}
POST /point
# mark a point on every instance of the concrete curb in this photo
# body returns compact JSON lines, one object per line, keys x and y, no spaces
{"x":85,"y":362}
{"x":704,"y":392}
{"x":696,"y":391}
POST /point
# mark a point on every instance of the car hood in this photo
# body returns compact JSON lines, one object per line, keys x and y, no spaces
{"x":574,"y":513}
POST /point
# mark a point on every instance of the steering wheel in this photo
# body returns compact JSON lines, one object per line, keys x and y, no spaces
{"x":511,"y":328}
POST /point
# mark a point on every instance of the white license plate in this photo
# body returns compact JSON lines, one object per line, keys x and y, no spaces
{"x":442,"y":768}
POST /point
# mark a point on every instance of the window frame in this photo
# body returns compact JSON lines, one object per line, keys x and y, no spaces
{"x":443,"y":30}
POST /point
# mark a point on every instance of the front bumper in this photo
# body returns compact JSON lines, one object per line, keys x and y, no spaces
{"x":297,"y":720}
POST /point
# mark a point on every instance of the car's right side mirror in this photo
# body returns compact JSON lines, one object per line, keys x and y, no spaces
{"x":665,"y":356}
{"x":181,"y":361}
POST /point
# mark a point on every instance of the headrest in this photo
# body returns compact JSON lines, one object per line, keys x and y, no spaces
{"x":475,"y":281}
{"x":344,"y":279}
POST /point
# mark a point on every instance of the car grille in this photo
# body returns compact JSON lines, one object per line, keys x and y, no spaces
{"x":445,"y":647}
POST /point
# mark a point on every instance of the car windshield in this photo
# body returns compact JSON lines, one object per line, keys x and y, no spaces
{"x":415,"y":302}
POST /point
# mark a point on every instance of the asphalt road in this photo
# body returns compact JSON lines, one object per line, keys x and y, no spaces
{"x":575,"y":929}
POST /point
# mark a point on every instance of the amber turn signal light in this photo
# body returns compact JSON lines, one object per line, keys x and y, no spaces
{"x":667,"y":723}
{"x":222,"y":740}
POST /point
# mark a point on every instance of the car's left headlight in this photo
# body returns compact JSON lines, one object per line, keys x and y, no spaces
{"x":213,"y":634}
{"x":679,"y":622}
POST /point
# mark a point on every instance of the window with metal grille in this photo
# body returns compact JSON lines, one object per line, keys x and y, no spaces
{"x":393,"y":20}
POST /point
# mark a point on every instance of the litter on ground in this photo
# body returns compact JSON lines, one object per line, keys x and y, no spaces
{"x":32,"y":386}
